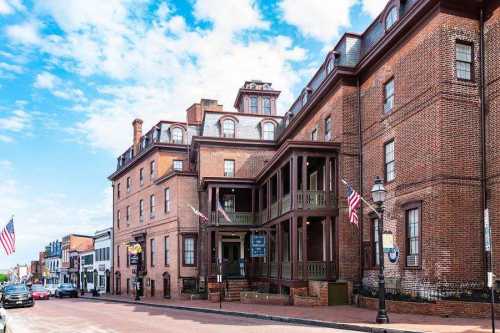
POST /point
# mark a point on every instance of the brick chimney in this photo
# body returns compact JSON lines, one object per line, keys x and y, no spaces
{"x":195,"y":112}
{"x":137,"y":125}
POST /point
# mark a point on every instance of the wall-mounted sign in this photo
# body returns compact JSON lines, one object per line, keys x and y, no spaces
{"x":388,"y":241}
{"x":134,"y":259}
{"x":393,"y":255}
{"x":258,"y":246}
{"x":102,"y":267}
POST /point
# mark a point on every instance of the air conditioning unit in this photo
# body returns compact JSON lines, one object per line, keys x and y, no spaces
{"x":412,"y":260}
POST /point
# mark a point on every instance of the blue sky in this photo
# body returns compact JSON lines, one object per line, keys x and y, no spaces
{"x":74,"y":74}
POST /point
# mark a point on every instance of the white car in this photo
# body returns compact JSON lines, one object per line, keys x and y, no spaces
{"x":52,"y":289}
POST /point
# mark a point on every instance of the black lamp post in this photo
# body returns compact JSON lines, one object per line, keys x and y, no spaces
{"x":378,"y":196}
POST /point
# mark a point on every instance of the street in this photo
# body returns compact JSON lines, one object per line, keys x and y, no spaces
{"x":78,"y":315}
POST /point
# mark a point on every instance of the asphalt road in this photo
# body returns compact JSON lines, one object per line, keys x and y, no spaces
{"x":85,"y":316}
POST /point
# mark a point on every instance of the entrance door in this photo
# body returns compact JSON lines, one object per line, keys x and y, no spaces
{"x":108,"y":282}
{"x":231,"y":258}
{"x":166,"y":285}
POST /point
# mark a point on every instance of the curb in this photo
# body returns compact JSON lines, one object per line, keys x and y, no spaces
{"x":289,"y":320}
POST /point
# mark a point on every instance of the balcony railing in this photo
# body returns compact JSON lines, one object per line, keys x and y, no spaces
{"x":314,"y":270}
{"x":313,"y":199}
{"x":286,"y":203}
{"x":263,"y":216}
{"x":286,"y":270}
{"x":237,"y":218}
{"x":274,"y":210}
{"x":274,"y":269}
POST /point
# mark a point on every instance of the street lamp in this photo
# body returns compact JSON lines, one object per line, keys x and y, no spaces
{"x":378,"y":196}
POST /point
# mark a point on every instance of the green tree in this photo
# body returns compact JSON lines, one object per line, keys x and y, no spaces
{"x":3,"y":277}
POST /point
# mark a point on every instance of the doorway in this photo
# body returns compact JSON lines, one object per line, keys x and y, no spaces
{"x":166,"y":285}
{"x":231,"y":258}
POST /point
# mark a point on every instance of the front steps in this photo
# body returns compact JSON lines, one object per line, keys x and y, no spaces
{"x":233,"y":289}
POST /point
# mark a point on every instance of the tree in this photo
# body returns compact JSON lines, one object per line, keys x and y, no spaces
{"x":3,"y":277}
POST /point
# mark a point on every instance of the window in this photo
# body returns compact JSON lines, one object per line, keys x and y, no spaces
{"x":129,"y":184}
{"x":189,"y":257}
{"x":152,"y":252}
{"x":152,"y":202}
{"x":128,"y":213}
{"x":375,"y":242}
{"x":177,"y":135}
{"x":389,"y":96}
{"x":228,"y":168}
{"x":177,"y":165}
{"x":141,"y":209}
{"x":118,"y":219}
{"x":253,"y":104}
{"x":128,"y":257}
{"x":118,"y":255}
{"x":268,"y":131}
{"x":314,"y":134}
{"x":152,"y":168}
{"x":328,"y":129}
{"x":141,"y":176}
{"x":390,"y":167}
{"x":167,"y":200}
{"x":118,"y":191}
{"x":228,"y":128}
{"x":165,"y":247}
{"x":128,"y":286}
{"x":267,"y":105}
{"x":391,"y":18}
{"x":304,"y":98}
{"x":463,"y":58}
{"x":413,"y":236}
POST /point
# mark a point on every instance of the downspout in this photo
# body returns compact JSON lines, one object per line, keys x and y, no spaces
{"x":360,"y":169}
{"x":482,"y":97}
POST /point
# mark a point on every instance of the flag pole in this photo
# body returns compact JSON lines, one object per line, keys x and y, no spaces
{"x":363,"y":199}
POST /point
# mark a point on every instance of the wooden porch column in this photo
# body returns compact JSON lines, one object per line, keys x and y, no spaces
{"x":210,"y":203}
{"x":327,"y":181}
{"x":217,"y":202}
{"x":279,"y":192}
{"x":304,"y":173}
{"x":279,"y":235}
{"x":209,"y":254}
{"x":268,"y":198}
{"x":218,"y":245}
{"x":327,"y":225}
{"x":253,"y":202}
{"x":304,"y":246}
{"x":294,"y":247}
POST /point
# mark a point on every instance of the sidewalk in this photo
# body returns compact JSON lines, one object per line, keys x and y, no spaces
{"x":347,"y":317}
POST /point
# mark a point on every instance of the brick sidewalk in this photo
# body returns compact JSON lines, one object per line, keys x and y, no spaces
{"x":349,"y":315}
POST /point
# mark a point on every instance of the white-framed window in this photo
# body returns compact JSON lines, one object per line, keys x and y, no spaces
{"x":152,"y":251}
{"x":228,"y":168}
{"x":413,"y":236}
{"x":167,"y":200}
{"x":314,"y":135}
{"x":253,"y":104}
{"x":129,"y":184}
{"x":463,"y":61}
{"x":177,"y":135}
{"x":152,"y":203}
{"x":268,"y":131}
{"x":328,"y":128}
{"x":266,"y":103}
{"x":228,"y":128}
{"x":391,"y":18}
{"x":389,"y":161}
{"x":389,"y":96}
{"x":177,"y":165}
{"x":189,"y":251}
{"x":165,"y":248}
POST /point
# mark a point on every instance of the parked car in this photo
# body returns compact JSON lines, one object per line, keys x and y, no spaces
{"x":17,"y":295}
{"x":39,"y":292}
{"x":66,"y":289}
{"x":52,"y":289}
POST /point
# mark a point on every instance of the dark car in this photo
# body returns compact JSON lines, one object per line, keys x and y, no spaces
{"x":16,"y":295}
{"x":66,"y":290}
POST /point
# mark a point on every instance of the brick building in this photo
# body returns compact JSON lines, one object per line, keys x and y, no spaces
{"x":413,"y":99}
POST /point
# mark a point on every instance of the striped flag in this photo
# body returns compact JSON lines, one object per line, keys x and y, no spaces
{"x":8,"y":238}
{"x":223,"y":212}
{"x":353,"y":201}
{"x":200,"y":214}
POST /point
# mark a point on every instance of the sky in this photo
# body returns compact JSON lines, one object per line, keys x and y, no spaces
{"x":75,"y":73}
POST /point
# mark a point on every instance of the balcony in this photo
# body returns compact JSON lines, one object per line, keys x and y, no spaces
{"x":237,"y":218}
{"x":313,"y":200}
{"x":274,"y":210}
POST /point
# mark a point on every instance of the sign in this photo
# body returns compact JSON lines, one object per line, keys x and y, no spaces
{"x":135,"y":248}
{"x":490,"y":279}
{"x":393,"y":255}
{"x":134,"y":259}
{"x":388,"y":241}
{"x":487,"y":231}
{"x":257,"y":246}
{"x":102,"y":267}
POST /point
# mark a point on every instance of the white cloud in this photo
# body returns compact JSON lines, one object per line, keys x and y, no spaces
{"x":16,"y":122}
{"x":373,"y":7}
{"x":5,"y":138}
{"x":57,"y":87}
{"x":10,"y":68}
{"x":25,"y":33}
{"x":8,"y":7}
{"x":319,"y":19}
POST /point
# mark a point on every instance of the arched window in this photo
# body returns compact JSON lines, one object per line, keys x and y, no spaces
{"x":177,"y":135}
{"x":268,"y":131}
{"x":391,"y":18}
{"x":228,"y":128}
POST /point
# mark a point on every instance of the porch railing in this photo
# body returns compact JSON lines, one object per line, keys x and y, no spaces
{"x":286,"y":203}
{"x":286,"y":270}
{"x":263,"y":216}
{"x":313,"y":199}
{"x":314,"y":270}
{"x":261,"y":268}
{"x":237,"y":218}
{"x":274,"y":210}
{"x":274,"y":269}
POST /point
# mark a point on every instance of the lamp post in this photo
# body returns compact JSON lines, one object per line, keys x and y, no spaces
{"x":378,"y":196}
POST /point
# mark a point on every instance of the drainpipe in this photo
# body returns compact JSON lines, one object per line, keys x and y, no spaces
{"x":360,"y":169}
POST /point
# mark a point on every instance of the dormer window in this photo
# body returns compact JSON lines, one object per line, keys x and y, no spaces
{"x":305,"y":97}
{"x":253,"y":104}
{"x":391,"y":18}
{"x":228,"y":128}
{"x":267,"y":105}
{"x":177,"y":136}
{"x":268,"y":131}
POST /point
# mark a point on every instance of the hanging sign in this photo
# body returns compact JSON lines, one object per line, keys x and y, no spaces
{"x":393,"y":255}
{"x":388,"y":241}
{"x":258,"y":246}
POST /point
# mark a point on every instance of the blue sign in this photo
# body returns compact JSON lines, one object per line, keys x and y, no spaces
{"x":257,"y":246}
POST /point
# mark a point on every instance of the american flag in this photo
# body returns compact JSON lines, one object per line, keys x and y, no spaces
{"x":8,"y":238}
{"x":354,"y":201}
{"x":223,"y":212}
{"x":200,"y":214}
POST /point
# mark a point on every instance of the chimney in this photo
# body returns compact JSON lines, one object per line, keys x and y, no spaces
{"x":137,"y":125}
{"x":195,"y":112}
